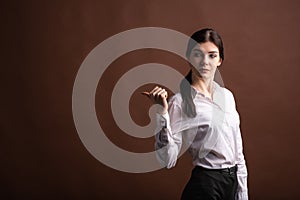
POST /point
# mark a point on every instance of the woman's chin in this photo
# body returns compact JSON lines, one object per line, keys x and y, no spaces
{"x":204,"y":74}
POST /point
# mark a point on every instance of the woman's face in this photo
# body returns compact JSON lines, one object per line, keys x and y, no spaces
{"x":205,"y":58}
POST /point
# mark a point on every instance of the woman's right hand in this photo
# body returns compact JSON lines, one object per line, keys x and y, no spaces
{"x":159,"y":96}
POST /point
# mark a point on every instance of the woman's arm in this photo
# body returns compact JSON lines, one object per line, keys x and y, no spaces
{"x":242,"y":174}
{"x":167,"y":138}
{"x":242,"y":189}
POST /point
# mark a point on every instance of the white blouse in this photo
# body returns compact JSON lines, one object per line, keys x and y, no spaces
{"x":212,"y":138}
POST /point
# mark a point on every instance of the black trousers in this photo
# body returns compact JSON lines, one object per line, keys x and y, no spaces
{"x":211,"y":184}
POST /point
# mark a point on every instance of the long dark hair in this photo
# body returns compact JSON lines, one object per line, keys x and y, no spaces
{"x":201,"y":36}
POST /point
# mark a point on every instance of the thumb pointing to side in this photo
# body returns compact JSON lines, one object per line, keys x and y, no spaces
{"x":158,"y":96}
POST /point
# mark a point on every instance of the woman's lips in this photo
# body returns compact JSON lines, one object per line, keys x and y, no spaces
{"x":204,"y":70}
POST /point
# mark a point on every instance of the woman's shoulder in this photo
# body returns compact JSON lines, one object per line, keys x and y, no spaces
{"x":228,"y":92}
{"x":175,"y":99}
{"x":224,"y":90}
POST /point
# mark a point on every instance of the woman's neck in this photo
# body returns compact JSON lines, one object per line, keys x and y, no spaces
{"x":205,"y":86}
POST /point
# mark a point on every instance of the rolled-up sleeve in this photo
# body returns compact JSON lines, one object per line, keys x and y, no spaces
{"x":242,"y":174}
{"x":167,"y":140}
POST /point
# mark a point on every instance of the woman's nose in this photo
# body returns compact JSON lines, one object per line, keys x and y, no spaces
{"x":204,"y":60}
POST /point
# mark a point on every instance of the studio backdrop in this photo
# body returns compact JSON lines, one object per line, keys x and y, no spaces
{"x":73,"y":119}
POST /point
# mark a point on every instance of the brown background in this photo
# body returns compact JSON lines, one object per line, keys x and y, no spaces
{"x":44,"y":44}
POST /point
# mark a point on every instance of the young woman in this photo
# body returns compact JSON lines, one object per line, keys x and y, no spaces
{"x":203,"y":117}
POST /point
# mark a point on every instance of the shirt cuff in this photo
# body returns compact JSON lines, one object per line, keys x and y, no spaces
{"x":162,"y":128}
{"x":242,"y":195}
{"x":163,"y":121}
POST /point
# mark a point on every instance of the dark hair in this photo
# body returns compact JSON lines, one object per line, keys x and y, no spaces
{"x":201,"y":36}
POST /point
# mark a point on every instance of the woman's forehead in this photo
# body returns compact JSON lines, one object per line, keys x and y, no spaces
{"x":206,"y":47}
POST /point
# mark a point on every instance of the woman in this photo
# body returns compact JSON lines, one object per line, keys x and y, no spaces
{"x":203,"y":116}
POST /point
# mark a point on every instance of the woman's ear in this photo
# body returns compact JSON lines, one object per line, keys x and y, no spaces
{"x":220,"y":62}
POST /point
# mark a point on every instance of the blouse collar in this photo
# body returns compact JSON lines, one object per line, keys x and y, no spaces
{"x":194,"y":91}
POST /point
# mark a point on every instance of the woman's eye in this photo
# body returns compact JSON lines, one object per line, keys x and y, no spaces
{"x":197,"y":54}
{"x":212,"y":55}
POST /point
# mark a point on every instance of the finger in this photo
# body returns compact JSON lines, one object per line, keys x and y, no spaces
{"x":160,"y":93}
{"x":146,"y":94}
{"x":157,"y":91}
{"x":153,"y":90}
{"x":165,"y":95}
{"x":156,"y":94}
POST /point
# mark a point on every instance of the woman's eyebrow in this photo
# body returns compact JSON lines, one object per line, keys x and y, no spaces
{"x":202,"y":51}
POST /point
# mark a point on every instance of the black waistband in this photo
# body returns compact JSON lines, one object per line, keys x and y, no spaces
{"x":229,"y":170}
